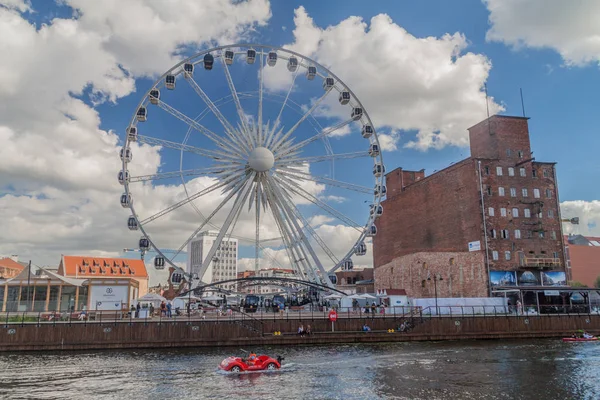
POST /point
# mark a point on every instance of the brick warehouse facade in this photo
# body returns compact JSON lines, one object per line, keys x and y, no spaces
{"x":500,"y":197}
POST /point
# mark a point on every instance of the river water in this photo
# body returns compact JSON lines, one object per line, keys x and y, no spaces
{"x":535,"y":369}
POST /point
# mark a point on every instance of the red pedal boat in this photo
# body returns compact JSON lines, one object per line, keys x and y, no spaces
{"x":571,"y":339}
{"x":261,"y":363}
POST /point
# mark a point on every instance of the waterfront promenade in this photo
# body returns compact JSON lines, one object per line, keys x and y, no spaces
{"x":240,"y":329}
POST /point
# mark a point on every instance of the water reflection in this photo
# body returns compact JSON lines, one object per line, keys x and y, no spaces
{"x":546,"y":369}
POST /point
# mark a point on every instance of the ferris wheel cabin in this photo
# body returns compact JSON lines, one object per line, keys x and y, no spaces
{"x":347,"y":265}
{"x":132,"y":223}
{"x":126,"y":200}
{"x":159,"y":262}
{"x":311,"y":71}
{"x":209,"y":60}
{"x":126,"y":154}
{"x":380,"y":190}
{"x":344,"y":98}
{"x":144,"y":244}
{"x":250,"y":56}
{"x":372,"y":231}
{"x":367,"y":131}
{"x":378,"y":169}
{"x":132,"y":134}
{"x":123,"y":177}
{"x":328,"y":84}
{"x":228,"y":59}
{"x":142,"y":114}
{"x":333,"y":278}
{"x":154,"y":96}
{"x":188,"y":70}
{"x":170,"y":82}
{"x":357,"y":113}
{"x":360,"y":249}
{"x":374,"y":150}
{"x":376,"y":212}
{"x":292,"y":64}
{"x":272,"y":59}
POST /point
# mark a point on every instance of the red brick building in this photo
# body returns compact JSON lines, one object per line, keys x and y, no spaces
{"x":583,"y":258}
{"x":492,"y":213}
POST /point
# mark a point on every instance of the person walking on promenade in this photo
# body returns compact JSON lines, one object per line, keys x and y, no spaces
{"x":519,"y":307}
{"x":169,"y":309}
{"x":163,"y":309}
{"x":137,"y":310}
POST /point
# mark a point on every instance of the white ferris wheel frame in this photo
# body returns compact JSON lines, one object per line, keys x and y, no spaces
{"x":289,"y":243}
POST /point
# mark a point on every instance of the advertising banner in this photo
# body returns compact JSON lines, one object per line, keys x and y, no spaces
{"x":475,"y":246}
{"x":528,"y":278}
{"x":554,"y":278}
{"x":503,"y":278}
{"x":107,"y":297}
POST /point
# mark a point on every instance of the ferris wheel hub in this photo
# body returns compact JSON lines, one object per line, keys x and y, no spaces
{"x":261,"y":159}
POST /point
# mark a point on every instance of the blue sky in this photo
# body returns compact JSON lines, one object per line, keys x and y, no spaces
{"x":419,"y":69}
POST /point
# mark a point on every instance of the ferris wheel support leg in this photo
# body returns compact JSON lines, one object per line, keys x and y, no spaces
{"x":324,"y":276}
{"x":239,"y":202}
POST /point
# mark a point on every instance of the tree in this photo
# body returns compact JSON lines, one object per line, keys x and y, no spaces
{"x":577,"y":284}
{"x":597,"y":282}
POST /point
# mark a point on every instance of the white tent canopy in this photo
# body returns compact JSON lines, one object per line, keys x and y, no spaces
{"x":368,"y":296}
{"x":212,"y":298}
{"x":151,"y":298}
{"x":333,"y":296}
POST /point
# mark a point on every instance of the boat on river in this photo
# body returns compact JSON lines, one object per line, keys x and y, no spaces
{"x":572,"y":339}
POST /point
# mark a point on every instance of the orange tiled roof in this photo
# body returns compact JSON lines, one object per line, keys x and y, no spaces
{"x":11,"y":264}
{"x":82,"y":266}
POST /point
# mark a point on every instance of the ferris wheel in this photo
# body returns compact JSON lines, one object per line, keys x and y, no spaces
{"x":259,"y":144}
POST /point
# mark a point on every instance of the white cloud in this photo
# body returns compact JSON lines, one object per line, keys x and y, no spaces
{"x":317,"y":220}
{"x":429,"y":85}
{"x":588,"y":213}
{"x":334,"y":199}
{"x":389,"y":141}
{"x":344,"y":131}
{"x":20,"y":5}
{"x":572,"y":28}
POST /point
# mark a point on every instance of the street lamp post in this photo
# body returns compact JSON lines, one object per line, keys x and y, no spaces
{"x":436,"y":278}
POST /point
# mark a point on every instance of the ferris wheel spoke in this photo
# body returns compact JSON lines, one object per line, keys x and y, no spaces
{"x":236,"y":99}
{"x":287,"y":148}
{"x":214,"y":154}
{"x":260,"y":98}
{"x":278,"y":119}
{"x":298,"y":190}
{"x":220,"y":141}
{"x":210,"y":171}
{"x":229,"y":130}
{"x":302,"y":237}
{"x":237,"y":205}
{"x":238,"y":184}
{"x":189,"y":199}
{"x":316,"y":159}
{"x":282,"y":140}
{"x":296,"y":174}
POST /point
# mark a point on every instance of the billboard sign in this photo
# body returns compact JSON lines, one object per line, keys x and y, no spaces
{"x":475,"y":246}
{"x":554,"y":278}
{"x":107,"y":297}
{"x":503,"y":278}
{"x":528,"y":278}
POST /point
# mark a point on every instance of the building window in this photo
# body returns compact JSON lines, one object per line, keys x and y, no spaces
{"x":550,"y":213}
{"x":546,"y":173}
{"x":505,"y":234}
{"x":524,"y":192}
{"x":507,"y":255}
{"x":536,"y":193}
{"x":493,"y":234}
{"x":503,"y":212}
{"x":500,"y":191}
{"x":522,"y":172}
{"x":495,"y":255}
{"x":529,"y":234}
{"x":527,"y":213}
{"x":487,"y":170}
{"x":508,"y":153}
{"x":511,"y":171}
{"x":520,"y":153}
{"x":489,"y":190}
{"x":540,"y":214}
{"x":553,"y":235}
{"x":534,"y":173}
{"x":452,"y":261}
{"x":555,"y":254}
{"x":549,"y":193}
{"x":491,"y":211}
{"x":513,"y":192}
{"x":542,"y":234}
{"x":499,"y":171}
{"x":515,"y":212}
{"x":517,"y":234}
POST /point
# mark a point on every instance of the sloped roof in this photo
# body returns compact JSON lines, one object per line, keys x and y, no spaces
{"x":41,"y":274}
{"x":11,"y":264}
{"x":102,"y":267}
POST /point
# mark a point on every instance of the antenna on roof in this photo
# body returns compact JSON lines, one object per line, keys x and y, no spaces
{"x":522,"y":102}
{"x":487,"y":107}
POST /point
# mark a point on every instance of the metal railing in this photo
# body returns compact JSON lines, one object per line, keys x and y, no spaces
{"x":254,"y":321}
{"x":541,"y":262}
